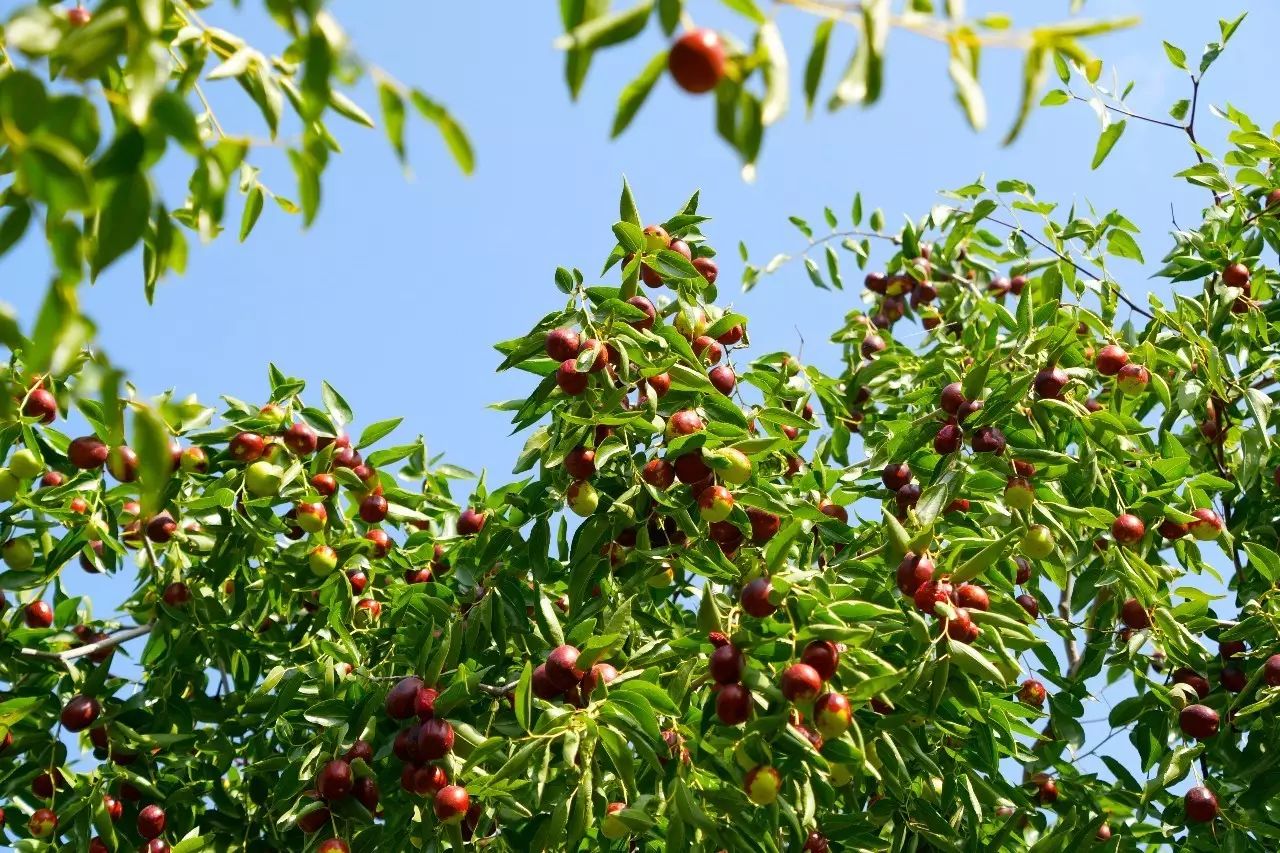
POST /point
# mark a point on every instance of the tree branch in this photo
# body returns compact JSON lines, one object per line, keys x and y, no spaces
{"x":108,"y":642}
{"x":1018,"y":229}
{"x":1124,"y":112}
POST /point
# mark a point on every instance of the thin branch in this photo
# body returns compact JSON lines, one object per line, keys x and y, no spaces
{"x":1081,"y":269}
{"x":499,"y":689}
{"x":1069,"y":642}
{"x":1122,"y":111}
{"x":108,"y":642}
{"x":1191,"y":130}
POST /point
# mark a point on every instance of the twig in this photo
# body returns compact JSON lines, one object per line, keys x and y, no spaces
{"x":1081,"y":269}
{"x":499,"y":689}
{"x":1125,"y":112}
{"x":108,"y":642}
{"x":1190,"y":130}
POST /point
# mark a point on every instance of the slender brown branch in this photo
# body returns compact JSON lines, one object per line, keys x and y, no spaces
{"x":108,"y":642}
{"x":1018,"y":229}
{"x":1190,"y":130}
{"x":1122,"y":111}
{"x":499,"y":689}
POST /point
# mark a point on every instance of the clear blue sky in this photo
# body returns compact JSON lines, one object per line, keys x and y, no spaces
{"x":397,"y":293}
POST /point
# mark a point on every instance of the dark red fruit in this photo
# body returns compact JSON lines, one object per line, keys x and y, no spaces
{"x":1029,"y":604}
{"x":1110,"y":359}
{"x":246,"y":447}
{"x":151,"y":821}
{"x":41,"y":404}
{"x":988,"y":439}
{"x":948,"y":439}
{"x":696,"y":61}
{"x":563,"y":344}
{"x":930,"y":593}
{"x":334,"y":780}
{"x":733,"y":704}
{"x":895,"y":476}
{"x":1128,"y":529}
{"x":823,"y":656}
{"x":562,"y":667}
{"x":1192,"y":679}
{"x":755,"y":598}
{"x":435,"y":739}
{"x":38,"y":614}
{"x":764,"y":525}
{"x":951,"y":398}
{"x":972,"y":597}
{"x":470,"y":522}
{"x":1201,"y":804}
{"x":87,"y":452}
{"x":913,"y":571}
{"x":80,"y":712}
{"x":569,"y":379}
{"x":1198,"y":721}
{"x":401,"y":702}
{"x":1134,"y":615}
{"x":1049,"y":383}
{"x":723,"y":379}
{"x":800,"y":682}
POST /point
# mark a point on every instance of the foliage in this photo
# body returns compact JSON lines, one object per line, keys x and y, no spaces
{"x":93,"y":185}
{"x":647,"y":638}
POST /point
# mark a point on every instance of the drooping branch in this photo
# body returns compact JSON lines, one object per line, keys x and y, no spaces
{"x":108,"y":642}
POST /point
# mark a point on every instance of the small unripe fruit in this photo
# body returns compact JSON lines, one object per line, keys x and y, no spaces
{"x":1037,"y":542}
{"x":582,"y":498}
{"x":18,"y":554}
{"x":263,"y":479}
{"x":1133,"y":378}
{"x":322,"y":560}
{"x":1032,"y":693}
{"x":312,"y":517}
{"x":762,"y":785}
{"x":1018,"y":494}
{"x":1207,"y":525}
{"x":833,"y":714}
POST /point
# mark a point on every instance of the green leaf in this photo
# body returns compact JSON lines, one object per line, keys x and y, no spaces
{"x":1122,"y":245}
{"x":393,"y":116}
{"x":1033,"y":74}
{"x":776,"y":72}
{"x":1177,"y":56}
{"x":1110,"y":135}
{"x":335,"y":405}
{"x":455,"y":138}
{"x":376,"y":431}
{"x":817,"y":61}
{"x":608,"y":29}
{"x":968,"y":93}
{"x":155,"y":463}
{"x":252,"y":210}
{"x":633,"y":95}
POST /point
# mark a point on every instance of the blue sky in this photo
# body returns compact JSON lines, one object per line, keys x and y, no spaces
{"x":397,"y":293}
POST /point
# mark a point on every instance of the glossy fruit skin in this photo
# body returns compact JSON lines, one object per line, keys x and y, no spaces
{"x":322,"y":560}
{"x":823,"y":656}
{"x":562,"y":667}
{"x":1134,"y":615}
{"x":1019,"y":494}
{"x":733,"y":704}
{"x":971,"y":597}
{"x":1195,"y":680}
{"x":1110,"y":359}
{"x":80,"y":713}
{"x":1207,"y":526}
{"x":333,"y":845}
{"x":151,"y":821}
{"x":471,"y":522}
{"x":569,"y":379}
{"x":800,"y":682}
{"x":1032,"y":693}
{"x":1171,"y":529}
{"x":929,"y":594}
{"x":161,"y":528}
{"x":1133,"y":378}
{"x":38,"y":614}
{"x":424,"y":704}
{"x":1233,"y":679}
{"x":580,"y":463}
{"x":1049,"y":382}
{"x":87,"y":453}
{"x":1128,"y":529}
{"x":543,"y":686}
{"x":435,"y":739}
{"x":373,"y":509}
{"x":1029,"y":604}
{"x":684,"y":422}
{"x":18,"y":554}
{"x":41,"y":403}
{"x":43,"y":823}
{"x":951,"y":398}
{"x":764,"y":525}
{"x":1037,"y":542}
{"x":835,"y":511}
{"x":563,"y":344}
{"x":913,"y":571}
{"x":833,"y":714}
{"x":401,"y":700}
{"x":1271,"y":671}
{"x":755,"y":598}
{"x":1200,"y":804}
{"x":762,"y":785}
{"x":895,"y":476}
{"x":715,"y":503}
{"x":246,"y":447}
{"x":988,"y":439}
{"x":696,"y":61}
{"x":659,"y":473}
{"x":452,"y":802}
{"x":726,"y":664}
{"x":582,"y":498}
{"x":262,"y":479}
{"x":1198,"y":721}
{"x":334,"y":780}
{"x":948,"y":440}
{"x":723,"y":379}
{"x":1236,"y":275}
